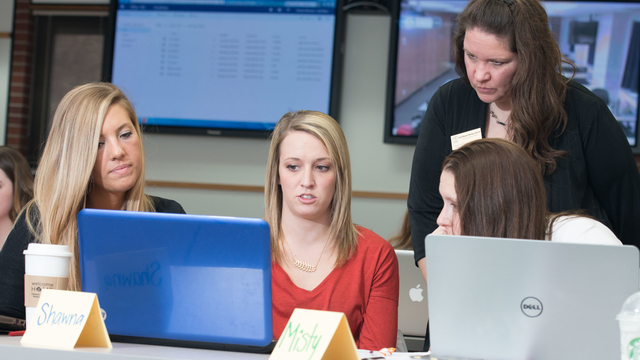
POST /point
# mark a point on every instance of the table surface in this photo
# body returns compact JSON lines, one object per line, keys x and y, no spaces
{"x":10,"y":348}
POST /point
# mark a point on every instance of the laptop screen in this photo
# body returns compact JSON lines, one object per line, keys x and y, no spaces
{"x":179,"y":277}
{"x":526,"y":299}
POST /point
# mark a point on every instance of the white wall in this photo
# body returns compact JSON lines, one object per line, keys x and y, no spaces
{"x":377,"y":167}
{"x":6,"y":26}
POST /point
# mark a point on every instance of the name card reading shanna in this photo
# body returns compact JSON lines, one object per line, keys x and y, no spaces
{"x":67,"y":319}
{"x":315,"y":335}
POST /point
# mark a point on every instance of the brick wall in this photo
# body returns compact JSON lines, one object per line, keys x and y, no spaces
{"x":20,"y":81}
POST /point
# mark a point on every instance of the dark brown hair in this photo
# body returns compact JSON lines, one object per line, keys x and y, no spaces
{"x":500,"y":192}
{"x":538,"y":88}
{"x":17,"y":169}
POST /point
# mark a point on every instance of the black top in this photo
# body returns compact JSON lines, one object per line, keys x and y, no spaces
{"x":599,"y":174}
{"x":12,"y":258}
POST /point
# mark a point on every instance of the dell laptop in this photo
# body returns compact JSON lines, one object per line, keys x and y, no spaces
{"x":492,"y":298}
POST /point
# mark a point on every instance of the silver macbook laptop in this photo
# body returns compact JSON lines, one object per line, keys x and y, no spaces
{"x":521,"y":299}
{"x":413,"y":309}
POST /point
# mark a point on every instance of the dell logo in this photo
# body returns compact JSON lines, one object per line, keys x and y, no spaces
{"x":531,"y":307}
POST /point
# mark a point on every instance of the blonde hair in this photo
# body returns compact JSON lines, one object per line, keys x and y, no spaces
{"x":327,"y":130}
{"x":63,"y":177}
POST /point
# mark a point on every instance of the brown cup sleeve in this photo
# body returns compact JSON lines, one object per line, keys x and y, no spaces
{"x":33,"y":286}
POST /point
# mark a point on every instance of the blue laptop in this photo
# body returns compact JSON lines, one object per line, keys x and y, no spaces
{"x":179,"y":280}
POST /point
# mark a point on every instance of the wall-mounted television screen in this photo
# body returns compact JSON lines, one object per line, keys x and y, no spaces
{"x":225,"y":67}
{"x":601,"y":37}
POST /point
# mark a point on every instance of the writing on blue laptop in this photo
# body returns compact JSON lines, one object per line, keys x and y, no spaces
{"x":149,"y":276}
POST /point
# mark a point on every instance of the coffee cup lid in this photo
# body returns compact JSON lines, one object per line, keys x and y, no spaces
{"x":630,"y":308}
{"x":48,"y":249}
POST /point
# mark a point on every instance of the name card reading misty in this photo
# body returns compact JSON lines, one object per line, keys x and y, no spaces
{"x":315,"y":335}
{"x":67,"y":319}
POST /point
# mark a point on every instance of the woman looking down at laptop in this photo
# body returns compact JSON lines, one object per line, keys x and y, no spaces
{"x":492,"y":187}
{"x":320,"y":259}
{"x":93,"y":158}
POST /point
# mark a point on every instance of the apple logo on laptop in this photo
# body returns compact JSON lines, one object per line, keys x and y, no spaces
{"x":416,"y":294}
{"x":531,"y":307}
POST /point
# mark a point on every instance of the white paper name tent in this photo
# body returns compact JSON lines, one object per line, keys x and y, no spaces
{"x":176,"y":279}
{"x":67,"y":319}
{"x":315,"y":335}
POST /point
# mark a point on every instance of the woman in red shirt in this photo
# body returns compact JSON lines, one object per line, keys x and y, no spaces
{"x":321,"y":260}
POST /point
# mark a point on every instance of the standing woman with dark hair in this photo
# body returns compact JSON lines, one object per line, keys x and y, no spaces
{"x":320,"y":259}
{"x":16,"y":188}
{"x":511,"y":87}
{"x":93,"y":158}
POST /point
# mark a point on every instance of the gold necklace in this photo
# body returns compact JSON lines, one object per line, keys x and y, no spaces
{"x":303,"y":265}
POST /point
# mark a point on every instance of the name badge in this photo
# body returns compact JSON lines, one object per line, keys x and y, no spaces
{"x":458,"y":140}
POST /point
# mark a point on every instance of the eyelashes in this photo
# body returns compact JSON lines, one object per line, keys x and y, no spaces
{"x":322,"y":168}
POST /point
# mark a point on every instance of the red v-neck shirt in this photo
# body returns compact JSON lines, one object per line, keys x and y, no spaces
{"x":365,"y":289}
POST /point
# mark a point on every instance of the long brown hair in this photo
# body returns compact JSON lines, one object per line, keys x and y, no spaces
{"x":500,"y":191}
{"x":327,"y":130}
{"x":538,"y":88}
{"x":17,"y":169}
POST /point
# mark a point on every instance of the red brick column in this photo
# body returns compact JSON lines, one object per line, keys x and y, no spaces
{"x":20,"y":81}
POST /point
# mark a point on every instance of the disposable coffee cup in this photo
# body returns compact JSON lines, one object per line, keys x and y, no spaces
{"x":46,"y":267}
{"x":629,"y":321}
